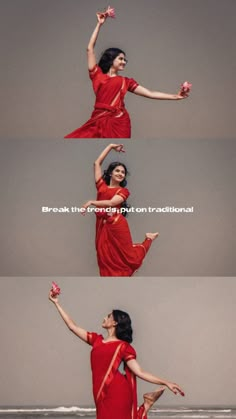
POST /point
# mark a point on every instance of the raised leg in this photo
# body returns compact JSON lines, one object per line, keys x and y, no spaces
{"x":151,"y":398}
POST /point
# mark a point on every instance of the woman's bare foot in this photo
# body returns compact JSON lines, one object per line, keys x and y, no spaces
{"x":152,"y":236}
{"x":151,"y":398}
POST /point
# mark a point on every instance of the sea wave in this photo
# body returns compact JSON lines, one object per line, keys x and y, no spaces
{"x":61,"y":409}
{"x":172,"y":412}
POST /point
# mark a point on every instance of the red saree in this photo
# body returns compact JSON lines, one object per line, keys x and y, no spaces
{"x":116,"y":253}
{"x":114,"y":393}
{"x":109,"y":119}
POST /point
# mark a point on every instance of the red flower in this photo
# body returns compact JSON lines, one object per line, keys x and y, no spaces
{"x":110,"y":12}
{"x":186,"y":87}
{"x":55,"y":290}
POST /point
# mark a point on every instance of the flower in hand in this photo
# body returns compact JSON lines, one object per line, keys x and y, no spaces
{"x":110,"y":12}
{"x":185,"y":87}
{"x":55,"y":290}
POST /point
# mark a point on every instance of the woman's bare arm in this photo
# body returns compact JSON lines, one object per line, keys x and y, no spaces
{"x":78,"y":331}
{"x":98,"y":162}
{"x":101,"y":17}
{"x":151,"y":94}
{"x":146,"y":376}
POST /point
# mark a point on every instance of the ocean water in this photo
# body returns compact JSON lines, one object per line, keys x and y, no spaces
{"x":162,"y":413}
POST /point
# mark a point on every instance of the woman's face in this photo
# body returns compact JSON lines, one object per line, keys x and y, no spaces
{"x":108,"y":321}
{"x":119,"y":62}
{"x":118,"y":174}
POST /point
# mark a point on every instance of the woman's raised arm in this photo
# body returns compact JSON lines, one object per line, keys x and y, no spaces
{"x":98,"y":162}
{"x":78,"y":331}
{"x":146,"y":376}
{"x":101,"y":17}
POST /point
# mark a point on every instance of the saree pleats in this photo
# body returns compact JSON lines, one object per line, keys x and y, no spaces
{"x":116,"y":253}
{"x":109,"y":119}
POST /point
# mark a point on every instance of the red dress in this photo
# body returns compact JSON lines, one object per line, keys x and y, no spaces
{"x":116,"y":253}
{"x":109,"y":119}
{"x":114,"y":393}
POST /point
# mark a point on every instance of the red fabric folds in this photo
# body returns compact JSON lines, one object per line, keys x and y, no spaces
{"x":116,"y":253}
{"x":109,"y":119}
{"x":114,"y":393}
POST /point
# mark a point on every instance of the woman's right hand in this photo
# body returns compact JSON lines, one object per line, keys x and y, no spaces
{"x":101,"y":17}
{"x":52,"y":298}
{"x":118,"y":147}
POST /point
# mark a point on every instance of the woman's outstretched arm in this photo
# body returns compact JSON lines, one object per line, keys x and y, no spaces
{"x":146,"y":376}
{"x":101,"y":17}
{"x":98,"y":162}
{"x":78,"y":331}
{"x":151,"y":94}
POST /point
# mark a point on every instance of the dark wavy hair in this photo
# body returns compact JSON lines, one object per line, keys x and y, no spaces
{"x":107,"y":178}
{"x":107,"y":173}
{"x":124,"y":329}
{"x":107,"y":58}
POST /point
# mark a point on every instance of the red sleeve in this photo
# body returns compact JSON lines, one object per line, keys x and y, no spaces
{"x":91,"y":338}
{"x":130,"y":353}
{"x":94,"y":73}
{"x":131,"y":84}
{"x":100,"y":183}
{"x":96,"y":76}
{"x":123,"y":192}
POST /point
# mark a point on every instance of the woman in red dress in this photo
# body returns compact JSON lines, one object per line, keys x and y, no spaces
{"x":116,"y":253}
{"x":110,"y":119}
{"x":115,"y":393}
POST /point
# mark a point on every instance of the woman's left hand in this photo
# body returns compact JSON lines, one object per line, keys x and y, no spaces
{"x":175,"y":388}
{"x":182,"y":95}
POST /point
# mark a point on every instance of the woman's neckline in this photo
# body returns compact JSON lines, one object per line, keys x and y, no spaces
{"x":114,"y":187}
{"x":112,"y":77}
{"x":111,"y":341}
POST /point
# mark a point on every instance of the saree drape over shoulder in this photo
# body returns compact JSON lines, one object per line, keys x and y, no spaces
{"x":116,"y":253}
{"x":114,"y":393}
{"x":109,"y":119}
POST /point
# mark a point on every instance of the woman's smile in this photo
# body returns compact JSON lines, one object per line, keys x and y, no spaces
{"x":118,"y":174}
